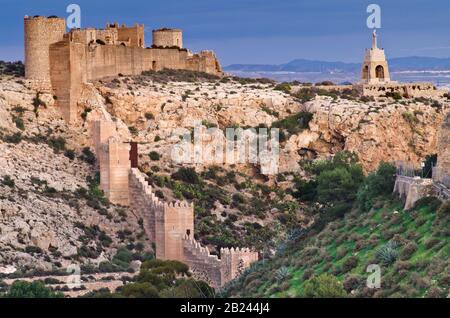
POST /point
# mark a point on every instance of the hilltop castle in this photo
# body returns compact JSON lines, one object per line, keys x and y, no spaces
{"x":64,"y":61}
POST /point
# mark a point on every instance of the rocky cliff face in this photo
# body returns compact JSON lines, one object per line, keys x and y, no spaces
{"x":43,"y":167}
{"x":50,"y":217}
{"x":376,"y":131}
{"x":381,"y":130}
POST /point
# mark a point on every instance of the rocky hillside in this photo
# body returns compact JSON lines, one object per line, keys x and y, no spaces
{"x":53,"y":214}
{"x":385,"y":129}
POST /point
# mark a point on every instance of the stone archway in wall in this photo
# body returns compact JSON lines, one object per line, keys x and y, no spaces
{"x":379,"y":72}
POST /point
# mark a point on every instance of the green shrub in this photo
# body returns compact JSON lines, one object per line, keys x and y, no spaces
{"x":410,"y":118}
{"x":123,"y":257}
{"x":85,"y":113}
{"x":19,"y":122}
{"x":352,"y":282}
{"x":339,"y":184}
{"x":133,"y":130}
{"x":295,"y":123}
{"x":33,"y":249}
{"x":306,"y":190}
{"x":188,"y":175}
{"x":350,"y":263}
{"x":154,"y":156}
{"x":282,"y":274}
{"x":140,"y":290}
{"x":8,"y":181}
{"x":88,"y":156}
{"x":37,"y":102}
{"x":58,"y":144}
{"x":22,"y":289}
{"x":149,"y":116}
{"x":388,"y":253}
{"x":69,"y":153}
{"x":14,"y":138}
{"x":324,"y":286}
{"x":305,"y":95}
{"x":378,"y":183}
{"x":394,"y":95}
{"x":283,"y":87}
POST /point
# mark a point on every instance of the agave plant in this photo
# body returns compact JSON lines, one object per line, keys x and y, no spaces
{"x":282,"y":273}
{"x":388,"y":253}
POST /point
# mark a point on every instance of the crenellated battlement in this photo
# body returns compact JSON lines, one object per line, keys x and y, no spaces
{"x":212,"y":269}
{"x":169,"y":225}
{"x":67,"y":60}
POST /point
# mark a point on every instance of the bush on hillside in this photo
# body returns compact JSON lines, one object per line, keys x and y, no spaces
{"x":188,"y":175}
{"x":23,"y":289}
{"x":324,"y":286}
{"x":378,"y":183}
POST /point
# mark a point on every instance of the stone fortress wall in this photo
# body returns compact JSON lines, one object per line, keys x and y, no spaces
{"x":66,"y":61}
{"x":409,"y":90}
{"x":170,"y":225}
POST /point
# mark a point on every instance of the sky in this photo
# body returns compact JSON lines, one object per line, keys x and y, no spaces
{"x":258,"y":31}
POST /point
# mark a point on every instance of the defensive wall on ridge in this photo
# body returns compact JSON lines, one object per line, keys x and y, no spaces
{"x":169,"y":225}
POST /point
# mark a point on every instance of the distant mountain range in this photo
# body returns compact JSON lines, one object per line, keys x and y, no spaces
{"x":414,"y":63}
{"x":403,"y":69}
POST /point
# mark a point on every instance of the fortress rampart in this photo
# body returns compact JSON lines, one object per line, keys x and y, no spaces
{"x":427,"y":90}
{"x":68,"y":60}
{"x":170,"y":225}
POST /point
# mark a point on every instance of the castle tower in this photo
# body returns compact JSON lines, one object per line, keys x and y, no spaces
{"x":163,"y":38}
{"x":133,"y":35}
{"x":40,"y":33}
{"x":115,"y":166}
{"x":375,"y":67}
{"x":173,"y":222}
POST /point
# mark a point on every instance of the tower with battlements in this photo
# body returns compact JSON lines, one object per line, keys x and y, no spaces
{"x":165,"y":38}
{"x":40,"y":33}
